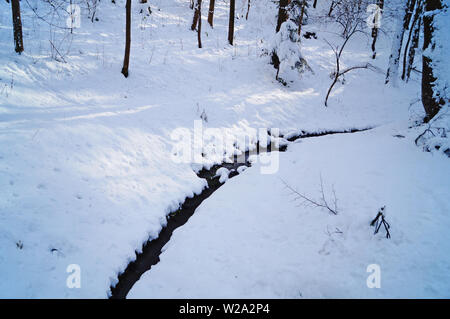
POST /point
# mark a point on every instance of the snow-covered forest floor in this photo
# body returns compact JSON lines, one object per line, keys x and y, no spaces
{"x":86,"y":175}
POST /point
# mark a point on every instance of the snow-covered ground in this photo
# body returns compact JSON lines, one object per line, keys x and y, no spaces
{"x":86,"y":175}
{"x":252,"y":239}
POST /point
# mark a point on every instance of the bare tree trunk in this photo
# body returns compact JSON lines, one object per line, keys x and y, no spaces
{"x":394,"y":58}
{"x":248,"y":10}
{"x":336,"y":77}
{"x":231,"y":22}
{"x":416,"y":18}
{"x":126,"y":60}
{"x":431,"y":99}
{"x":282,"y":13}
{"x":211,"y":12}
{"x":195,"y":19}
{"x":338,"y":52}
{"x":332,"y":5}
{"x":302,"y":12}
{"x":413,"y":48}
{"x":199,"y":29}
{"x":408,"y":13}
{"x":17,"y":26}
{"x":315,"y":4}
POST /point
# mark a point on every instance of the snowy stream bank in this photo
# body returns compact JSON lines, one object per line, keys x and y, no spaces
{"x":215,"y":179}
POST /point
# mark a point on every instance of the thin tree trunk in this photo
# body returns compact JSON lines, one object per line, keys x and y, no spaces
{"x":199,"y":29}
{"x":211,"y":12}
{"x":430,"y":95}
{"x":394,"y":58}
{"x":315,"y":4}
{"x":333,"y":3}
{"x":338,"y":53}
{"x":408,"y":13}
{"x":195,"y":19}
{"x":336,"y":77}
{"x":301,"y":17}
{"x":282,"y":13}
{"x":231,"y":22}
{"x":17,"y":26}
{"x":413,"y":48}
{"x":411,"y":30}
{"x":126,"y":60}
{"x":248,"y":10}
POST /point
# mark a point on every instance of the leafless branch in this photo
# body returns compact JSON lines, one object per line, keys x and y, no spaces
{"x":322,"y":202}
{"x":379,"y":220}
{"x":337,"y":53}
{"x":361,"y":66}
{"x":62,"y":57}
{"x":43,"y":18}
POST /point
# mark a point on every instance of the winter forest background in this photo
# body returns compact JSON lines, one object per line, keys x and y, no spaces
{"x":345,"y":100}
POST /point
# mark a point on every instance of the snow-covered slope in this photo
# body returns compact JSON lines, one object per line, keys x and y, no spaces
{"x":85,"y":169}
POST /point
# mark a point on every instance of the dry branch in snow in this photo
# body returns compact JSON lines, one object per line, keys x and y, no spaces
{"x":321,"y":202}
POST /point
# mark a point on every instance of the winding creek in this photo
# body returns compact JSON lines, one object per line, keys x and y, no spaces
{"x":152,"y":249}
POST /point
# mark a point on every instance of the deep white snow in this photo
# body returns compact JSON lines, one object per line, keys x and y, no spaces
{"x":87,"y":172}
{"x":252,"y":239}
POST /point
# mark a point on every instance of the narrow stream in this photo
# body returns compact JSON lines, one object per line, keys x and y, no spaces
{"x":152,"y":248}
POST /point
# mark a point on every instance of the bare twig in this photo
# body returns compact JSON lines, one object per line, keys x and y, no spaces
{"x":336,"y":231}
{"x":428,"y":129}
{"x":57,"y":51}
{"x":350,"y":17}
{"x":380,"y":220}
{"x":43,"y":17}
{"x":322,"y":202}
{"x":338,"y":72}
{"x":361,"y":66}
